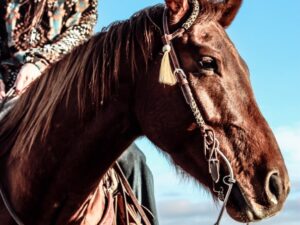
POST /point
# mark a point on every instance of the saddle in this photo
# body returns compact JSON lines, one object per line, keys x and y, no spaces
{"x":112,"y":203}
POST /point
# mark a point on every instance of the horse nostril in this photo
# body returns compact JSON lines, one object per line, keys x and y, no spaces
{"x":273,"y":187}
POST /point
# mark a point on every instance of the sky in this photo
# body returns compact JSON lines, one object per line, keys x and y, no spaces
{"x":267,"y":35}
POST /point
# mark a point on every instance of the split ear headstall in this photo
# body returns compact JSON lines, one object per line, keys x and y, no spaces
{"x":170,"y":76}
{"x":166,"y":74}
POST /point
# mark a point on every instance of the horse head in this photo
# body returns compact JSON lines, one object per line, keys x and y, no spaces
{"x":220,"y":84}
{"x":74,"y":122}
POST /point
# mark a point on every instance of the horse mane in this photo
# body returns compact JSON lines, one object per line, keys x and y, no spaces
{"x":93,"y":69}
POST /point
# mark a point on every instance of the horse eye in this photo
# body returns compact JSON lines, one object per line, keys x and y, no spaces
{"x":207,"y":63}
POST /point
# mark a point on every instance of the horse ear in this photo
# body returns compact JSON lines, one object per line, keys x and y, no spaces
{"x":177,"y":9}
{"x":229,"y":9}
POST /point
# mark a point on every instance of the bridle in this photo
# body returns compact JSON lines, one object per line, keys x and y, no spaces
{"x":211,"y":146}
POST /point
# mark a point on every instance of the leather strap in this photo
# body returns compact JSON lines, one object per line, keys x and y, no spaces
{"x":9,"y":208}
{"x":129,"y":191}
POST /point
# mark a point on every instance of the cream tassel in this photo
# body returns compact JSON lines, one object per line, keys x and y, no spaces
{"x":166,"y":75}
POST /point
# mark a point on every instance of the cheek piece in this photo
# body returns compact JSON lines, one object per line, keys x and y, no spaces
{"x":170,"y":74}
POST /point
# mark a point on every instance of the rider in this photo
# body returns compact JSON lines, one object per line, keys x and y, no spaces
{"x":40,"y":33}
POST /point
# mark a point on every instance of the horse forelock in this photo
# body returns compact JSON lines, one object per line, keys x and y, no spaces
{"x":90,"y":72}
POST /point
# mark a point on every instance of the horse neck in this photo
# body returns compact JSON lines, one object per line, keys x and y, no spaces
{"x":77,"y":150}
{"x":72,"y":159}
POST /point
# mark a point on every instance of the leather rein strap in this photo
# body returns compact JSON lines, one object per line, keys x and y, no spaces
{"x":126,"y":186}
{"x":9,"y":208}
{"x":212,"y":150}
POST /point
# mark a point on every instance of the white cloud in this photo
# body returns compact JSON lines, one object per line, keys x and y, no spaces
{"x":288,"y":138}
{"x":188,"y":212}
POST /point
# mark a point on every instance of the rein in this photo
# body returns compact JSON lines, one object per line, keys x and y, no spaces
{"x":211,"y":146}
{"x":9,"y":207}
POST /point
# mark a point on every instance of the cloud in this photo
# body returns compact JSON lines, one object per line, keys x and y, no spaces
{"x":188,"y":212}
{"x":288,"y":138}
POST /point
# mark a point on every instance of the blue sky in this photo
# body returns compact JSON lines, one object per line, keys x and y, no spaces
{"x":267,"y":35}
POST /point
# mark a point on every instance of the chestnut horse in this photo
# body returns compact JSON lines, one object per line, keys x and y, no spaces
{"x":75,"y":121}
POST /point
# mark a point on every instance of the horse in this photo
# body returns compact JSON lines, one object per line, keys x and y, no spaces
{"x":70,"y":126}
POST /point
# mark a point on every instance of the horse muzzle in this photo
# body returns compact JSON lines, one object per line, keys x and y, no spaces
{"x":247,"y":209}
